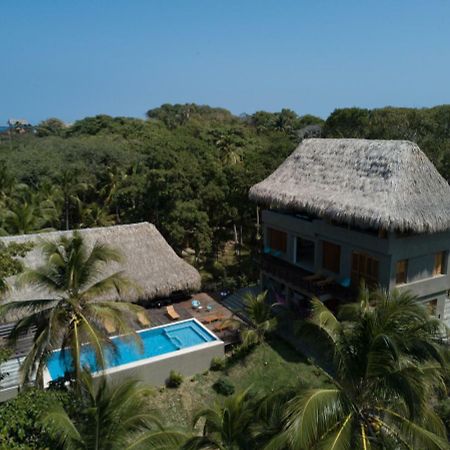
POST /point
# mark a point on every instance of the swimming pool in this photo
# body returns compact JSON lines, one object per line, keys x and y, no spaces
{"x":159,"y":341}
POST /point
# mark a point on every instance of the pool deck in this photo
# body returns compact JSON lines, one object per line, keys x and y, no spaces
{"x":158,"y":316}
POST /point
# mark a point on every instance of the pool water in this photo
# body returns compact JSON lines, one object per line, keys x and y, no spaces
{"x":155,"y":341}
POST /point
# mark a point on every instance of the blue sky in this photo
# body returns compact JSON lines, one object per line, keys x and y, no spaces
{"x":70,"y":59}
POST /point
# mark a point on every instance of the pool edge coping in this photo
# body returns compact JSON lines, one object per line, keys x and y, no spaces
{"x":47,"y":377}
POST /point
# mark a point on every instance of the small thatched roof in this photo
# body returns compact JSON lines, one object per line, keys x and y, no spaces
{"x":381,"y":184}
{"x":148,"y":260}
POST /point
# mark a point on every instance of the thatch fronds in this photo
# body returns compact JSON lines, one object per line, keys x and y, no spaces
{"x":381,"y":184}
{"x":147,"y":260}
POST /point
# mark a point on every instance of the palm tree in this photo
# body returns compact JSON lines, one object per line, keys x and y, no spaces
{"x":386,"y":363}
{"x":259,"y":312}
{"x":71,"y":188}
{"x":226,"y":426}
{"x":23,"y":218}
{"x":74,"y":314}
{"x":111,"y":418}
{"x":93,"y":215}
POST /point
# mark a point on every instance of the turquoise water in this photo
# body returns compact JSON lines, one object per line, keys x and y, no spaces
{"x":155,"y":341}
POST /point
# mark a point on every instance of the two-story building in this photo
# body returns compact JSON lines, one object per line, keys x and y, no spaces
{"x":342,"y":210}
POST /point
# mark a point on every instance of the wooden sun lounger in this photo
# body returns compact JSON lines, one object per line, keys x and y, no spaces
{"x":222,"y":326}
{"x":172,"y":313}
{"x":209,"y":319}
{"x":109,"y":326}
{"x":143,"y":319}
{"x":316,"y":276}
{"x":325,"y":282}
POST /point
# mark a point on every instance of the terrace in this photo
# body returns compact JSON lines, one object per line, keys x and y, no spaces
{"x":211,"y":315}
{"x":304,"y":283}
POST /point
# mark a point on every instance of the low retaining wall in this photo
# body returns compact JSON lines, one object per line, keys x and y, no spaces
{"x":8,"y":393}
{"x":156,"y":370}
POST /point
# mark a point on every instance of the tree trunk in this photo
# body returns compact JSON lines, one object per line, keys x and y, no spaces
{"x":258,"y":225}
{"x":66,"y":207}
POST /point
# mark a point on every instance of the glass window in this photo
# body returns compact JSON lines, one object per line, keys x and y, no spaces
{"x":401,"y":271}
{"x":331,"y":257}
{"x":305,"y":250}
{"x":277,"y":240}
{"x":432,"y":307}
{"x":439,"y":260}
{"x":364,"y":267}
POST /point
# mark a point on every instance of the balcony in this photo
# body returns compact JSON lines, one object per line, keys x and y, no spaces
{"x":304,"y":281}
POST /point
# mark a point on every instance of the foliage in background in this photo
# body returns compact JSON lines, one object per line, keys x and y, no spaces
{"x":9,"y":263}
{"x":187,"y":169}
{"x":19,"y":419}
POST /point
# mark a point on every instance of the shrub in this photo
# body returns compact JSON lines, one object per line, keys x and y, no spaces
{"x":443,"y":410}
{"x":174,"y":380}
{"x":218,"y":364}
{"x":19,"y":419}
{"x":224,"y":386}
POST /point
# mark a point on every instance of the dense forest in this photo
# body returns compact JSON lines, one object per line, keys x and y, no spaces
{"x":185,"y":168}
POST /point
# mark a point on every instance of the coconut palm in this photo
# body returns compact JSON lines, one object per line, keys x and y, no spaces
{"x":226,"y":426}
{"x":74,"y":314}
{"x":386,"y":363}
{"x":111,"y":418}
{"x":259,"y":312}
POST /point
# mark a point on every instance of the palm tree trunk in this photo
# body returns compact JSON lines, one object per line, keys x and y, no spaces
{"x":66,"y":212}
{"x":76,"y":355}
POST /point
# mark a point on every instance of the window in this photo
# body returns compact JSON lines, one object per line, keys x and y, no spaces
{"x":364,"y":267}
{"x":304,"y":252}
{"x":331,"y":257}
{"x":439,"y":262}
{"x":277,"y":240}
{"x":432,"y":307}
{"x":401,"y":271}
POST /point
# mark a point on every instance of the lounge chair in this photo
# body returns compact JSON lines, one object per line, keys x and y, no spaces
{"x":313,"y":277}
{"x":170,"y":310}
{"x":109,"y":326}
{"x":143,"y":319}
{"x":210,"y":319}
{"x":222,"y":326}
{"x":322,"y":284}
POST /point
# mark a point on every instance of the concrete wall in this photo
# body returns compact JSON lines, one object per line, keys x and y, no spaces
{"x":8,"y":393}
{"x":156,"y":370}
{"x":419,"y":250}
{"x":318,"y":231}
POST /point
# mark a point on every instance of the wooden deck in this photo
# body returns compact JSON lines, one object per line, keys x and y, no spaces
{"x":159,"y":316}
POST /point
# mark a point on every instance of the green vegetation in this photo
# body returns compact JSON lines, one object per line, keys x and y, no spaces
{"x":19,"y":419}
{"x":187,"y":169}
{"x":224,"y":386}
{"x":175,"y":379}
{"x":218,"y":364}
{"x":263,"y":370}
{"x":387,"y":364}
{"x":387,"y":367}
{"x":110,"y":418}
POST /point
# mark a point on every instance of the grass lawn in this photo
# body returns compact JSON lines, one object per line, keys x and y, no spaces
{"x":265,"y":369}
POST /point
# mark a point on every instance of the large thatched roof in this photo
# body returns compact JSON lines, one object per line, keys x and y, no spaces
{"x":148,"y":260}
{"x":387,"y":184}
